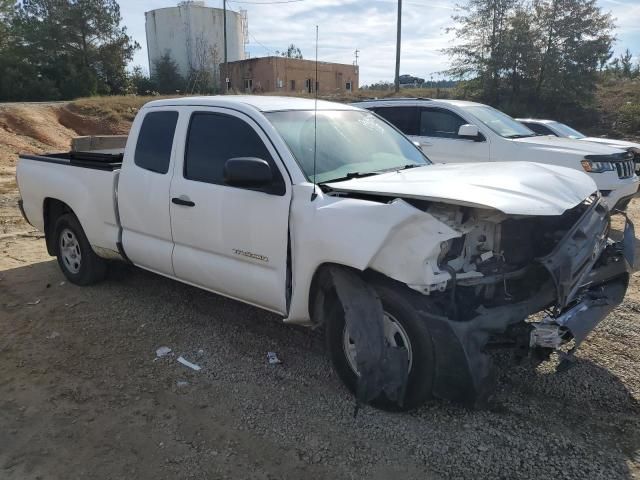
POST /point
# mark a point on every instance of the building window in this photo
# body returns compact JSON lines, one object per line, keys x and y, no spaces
{"x":279,"y":82}
{"x":317,"y":86}
{"x":348,"y":86}
{"x":293,"y":85}
{"x":248,"y":85}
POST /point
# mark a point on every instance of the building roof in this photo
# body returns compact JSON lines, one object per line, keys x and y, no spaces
{"x":289,"y":59}
{"x":262,"y":103}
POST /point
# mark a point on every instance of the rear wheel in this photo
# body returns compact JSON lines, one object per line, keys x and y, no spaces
{"x":76,"y":258}
{"x":403,"y":328}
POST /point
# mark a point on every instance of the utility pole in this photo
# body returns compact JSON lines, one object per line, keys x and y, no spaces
{"x":398,"y":40}
{"x":226,"y":68}
{"x":356,"y":52}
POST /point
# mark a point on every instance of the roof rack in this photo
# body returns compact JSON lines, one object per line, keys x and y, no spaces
{"x":388,"y":99}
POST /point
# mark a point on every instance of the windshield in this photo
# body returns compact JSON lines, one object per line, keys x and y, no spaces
{"x":349,"y":143}
{"x":499,"y":122}
{"x":567,"y":131}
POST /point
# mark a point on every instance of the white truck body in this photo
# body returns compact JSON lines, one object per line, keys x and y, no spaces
{"x":435,"y":126}
{"x":428,"y":229}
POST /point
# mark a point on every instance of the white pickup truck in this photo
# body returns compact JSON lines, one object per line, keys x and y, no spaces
{"x":452,"y":131}
{"x":331,"y":217}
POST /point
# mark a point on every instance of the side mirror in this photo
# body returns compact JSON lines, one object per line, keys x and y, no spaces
{"x":247,"y":172}
{"x":469,"y":131}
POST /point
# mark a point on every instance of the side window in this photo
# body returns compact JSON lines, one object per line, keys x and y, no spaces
{"x":405,"y":119}
{"x":215,"y":138}
{"x":155,"y":140}
{"x":435,"y":122}
{"x":539,"y":129}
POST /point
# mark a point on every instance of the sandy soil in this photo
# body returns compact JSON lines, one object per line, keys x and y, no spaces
{"x":82,"y":394}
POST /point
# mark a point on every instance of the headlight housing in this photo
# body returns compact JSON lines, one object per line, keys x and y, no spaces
{"x":594,"y":166}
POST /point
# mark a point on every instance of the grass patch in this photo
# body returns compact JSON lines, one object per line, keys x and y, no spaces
{"x":114,"y":109}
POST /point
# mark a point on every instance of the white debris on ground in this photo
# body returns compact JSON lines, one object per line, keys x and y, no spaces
{"x":187,"y":363}
{"x":162,"y":352}
{"x":273,"y":359}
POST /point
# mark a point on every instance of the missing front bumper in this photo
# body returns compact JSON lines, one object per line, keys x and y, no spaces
{"x":601,"y":290}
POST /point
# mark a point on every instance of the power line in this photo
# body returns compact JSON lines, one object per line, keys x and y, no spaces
{"x":266,"y":3}
{"x":263,"y":46}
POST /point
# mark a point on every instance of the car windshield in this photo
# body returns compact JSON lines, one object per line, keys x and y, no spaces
{"x":349,"y":143}
{"x":567,"y":131}
{"x":499,"y":122}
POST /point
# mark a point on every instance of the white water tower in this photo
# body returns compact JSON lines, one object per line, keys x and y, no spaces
{"x":193,"y":36}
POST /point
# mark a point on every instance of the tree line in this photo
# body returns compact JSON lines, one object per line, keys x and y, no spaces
{"x":539,"y":57}
{"x":65,"y":49}
{"x":59,"y":49}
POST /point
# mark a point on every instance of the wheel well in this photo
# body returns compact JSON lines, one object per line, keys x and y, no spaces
{"x":322,"y":282}
{"x":52,"y":209}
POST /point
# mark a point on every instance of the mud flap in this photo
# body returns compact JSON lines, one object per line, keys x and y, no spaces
{"x":382,"y":368}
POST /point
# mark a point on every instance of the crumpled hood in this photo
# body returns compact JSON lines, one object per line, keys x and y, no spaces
{"x":612,"y":143}
{"x":516,"y":188}
{"x":568,"y":145}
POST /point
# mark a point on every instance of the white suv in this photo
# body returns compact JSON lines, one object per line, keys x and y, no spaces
{"x":455,"y":131}
{"x":557,"y":129}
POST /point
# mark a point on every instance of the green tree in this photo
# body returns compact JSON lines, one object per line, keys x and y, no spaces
{"x":576,"y":36}
{"x":141,"y":84}
{"x":75,"y":47}
{"x":539,"y":56}
{"x":166,"y":75}
{"x":480,"y":53}
{"x":291,"y":52}
{"x":7,"y":10}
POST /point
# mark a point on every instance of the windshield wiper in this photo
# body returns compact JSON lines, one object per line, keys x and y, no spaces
{"x":350,"y":176}
{"x":403,"y":167}
{"x":520,"y":135}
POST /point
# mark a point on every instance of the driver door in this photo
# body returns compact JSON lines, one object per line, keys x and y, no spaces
{"x":229,"y":240}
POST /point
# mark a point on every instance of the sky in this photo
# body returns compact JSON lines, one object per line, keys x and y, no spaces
{"x":366,"y":25}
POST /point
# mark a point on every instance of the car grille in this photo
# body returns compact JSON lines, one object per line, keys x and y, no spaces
{"x":636,"y":159}
{"x":625,"y":169}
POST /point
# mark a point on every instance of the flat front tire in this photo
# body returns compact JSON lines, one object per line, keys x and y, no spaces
{"x":403,"y":329}
{"x":76,"y":258}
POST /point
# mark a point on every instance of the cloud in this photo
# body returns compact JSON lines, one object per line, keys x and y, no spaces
{"x":366,"y":25}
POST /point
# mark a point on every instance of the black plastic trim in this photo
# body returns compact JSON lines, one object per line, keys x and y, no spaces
{"x":94,"y":161}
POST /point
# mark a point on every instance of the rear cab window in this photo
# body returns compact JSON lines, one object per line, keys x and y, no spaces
{"x":155,"y":141}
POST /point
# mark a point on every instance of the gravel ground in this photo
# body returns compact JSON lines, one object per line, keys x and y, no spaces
{"x":82,"y":394}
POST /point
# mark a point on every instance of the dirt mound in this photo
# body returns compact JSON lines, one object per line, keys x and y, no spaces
{"x":74,"y":119}
{"x":36,"y":128}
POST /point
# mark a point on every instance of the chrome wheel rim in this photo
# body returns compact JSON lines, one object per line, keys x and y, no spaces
{"x":70,"y":251}
{"x":394,"y":334}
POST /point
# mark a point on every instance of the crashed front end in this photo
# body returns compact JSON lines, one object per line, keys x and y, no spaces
{"x":504,"y":269}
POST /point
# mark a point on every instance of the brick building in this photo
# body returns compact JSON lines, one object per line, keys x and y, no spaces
{"x":288,"y":75}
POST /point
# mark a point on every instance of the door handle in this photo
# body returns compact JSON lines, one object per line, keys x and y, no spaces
{"x":185,"y":202}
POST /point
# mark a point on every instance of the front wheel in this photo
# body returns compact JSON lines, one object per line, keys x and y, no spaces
{"x":76,"y":258}
{"x":403,"y":328}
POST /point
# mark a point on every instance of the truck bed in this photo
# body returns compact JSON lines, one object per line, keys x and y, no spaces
{"x":93,"y":160}
{"x":85,"y":182}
